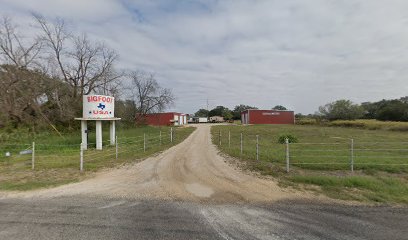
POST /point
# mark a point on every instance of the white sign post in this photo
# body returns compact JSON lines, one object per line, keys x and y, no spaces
{"x":98,"y":108}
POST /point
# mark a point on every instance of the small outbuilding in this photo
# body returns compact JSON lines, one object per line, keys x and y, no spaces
{"x":166,"y":119}
{"x":256,"y":116}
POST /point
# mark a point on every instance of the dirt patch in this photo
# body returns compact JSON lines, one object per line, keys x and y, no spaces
{"x":192,"y":171}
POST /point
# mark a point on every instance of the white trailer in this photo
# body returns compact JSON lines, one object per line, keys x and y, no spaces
{"x":200,"y":120}
{"x":203,"y":120}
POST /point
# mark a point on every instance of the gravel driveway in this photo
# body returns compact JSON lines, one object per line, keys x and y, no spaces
{"x":189,"y":192}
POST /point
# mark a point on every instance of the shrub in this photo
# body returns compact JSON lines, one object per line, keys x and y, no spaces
{"x":290,"y":137}
{"x":370,"y":124}
{"x":306,"y":121}
{"x":348,"y":123}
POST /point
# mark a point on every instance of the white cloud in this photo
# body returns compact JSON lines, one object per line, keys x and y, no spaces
{"x":76,"y":10}
{"x":301,"y":54}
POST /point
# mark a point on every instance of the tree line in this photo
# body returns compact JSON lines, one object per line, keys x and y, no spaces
{"x":43,"y":77}
{"x":384,"y":110}
{"x":228,"y":114}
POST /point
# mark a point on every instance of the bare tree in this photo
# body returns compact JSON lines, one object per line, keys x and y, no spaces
{"x":148,"y":96}
{"x":14,"y":49}
{"x":109,"y":87}
{"x":86,"y":66}
{"x":43,"y":78}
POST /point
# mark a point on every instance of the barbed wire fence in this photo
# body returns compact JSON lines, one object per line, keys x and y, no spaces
{"x":344,"y":154}
{"x":54,"y":156}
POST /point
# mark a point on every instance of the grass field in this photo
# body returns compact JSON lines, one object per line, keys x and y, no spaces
{"x":322,"y":157}
{"x":369,"y":124}
{"x":57,"y":159}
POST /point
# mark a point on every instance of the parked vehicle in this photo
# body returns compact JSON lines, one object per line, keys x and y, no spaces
{"x":216,"y":119}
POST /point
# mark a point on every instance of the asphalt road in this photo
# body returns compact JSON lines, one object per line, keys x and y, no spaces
{"x":90,"y":218}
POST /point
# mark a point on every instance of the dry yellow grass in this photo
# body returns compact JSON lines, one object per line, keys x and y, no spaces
{"x":370,"y":124}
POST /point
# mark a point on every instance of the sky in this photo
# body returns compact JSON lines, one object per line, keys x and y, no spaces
{"x":295,"y":53}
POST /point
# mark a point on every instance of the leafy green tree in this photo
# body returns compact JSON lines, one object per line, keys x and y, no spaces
{"x":201,"y":113}
{"x":227,"y":115}
{"x":279,"y":107}
{"x":370,"y":110}
{"x":394,"y":110}
{"x":217,"y":111}
{"x":341,"y":109}
{"x":404,"y":99}
{"x":221,"y":111}
{"x":387,"y":110}
{"x":238,"y":109}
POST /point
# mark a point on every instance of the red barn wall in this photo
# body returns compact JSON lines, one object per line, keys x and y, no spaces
{"x":269,"y":117}
{"x":160,"y":119}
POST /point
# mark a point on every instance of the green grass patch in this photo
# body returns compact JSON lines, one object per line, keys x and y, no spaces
{"x":32,"y":184}
{"x":57,"y":159}
{"x":321,"y":157}
{"x":376,"y":189}
{"x":317,"y":148}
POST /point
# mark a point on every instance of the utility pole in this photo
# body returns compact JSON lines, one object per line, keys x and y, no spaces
{"x":208,"y":113}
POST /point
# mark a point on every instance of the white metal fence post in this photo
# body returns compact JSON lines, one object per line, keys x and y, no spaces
{"x":33,"y":157}
{"x":229,"y":139}
{"x":257,"y":147}
{"x":81,"y":161}
{"x":171,"y":135}
{"x":116,"y":146}
{"x":144,"y":142}
{"x":241,"y":144}
{"x":287,"y":154}
{"x":219,"y":137}
{"x":352,"y":155}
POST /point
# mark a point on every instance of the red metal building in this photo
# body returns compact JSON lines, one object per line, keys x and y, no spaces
{"x":166,"y":119}
{"x":255,"y":116}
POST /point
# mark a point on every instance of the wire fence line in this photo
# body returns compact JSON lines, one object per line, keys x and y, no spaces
{"x":34,"y":156}
{"x":343,"y":154}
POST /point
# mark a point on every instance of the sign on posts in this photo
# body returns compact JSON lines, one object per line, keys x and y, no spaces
{"x":98,"y":107}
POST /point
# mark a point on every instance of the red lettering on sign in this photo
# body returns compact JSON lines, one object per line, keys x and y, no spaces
{"x":104,"y":99}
